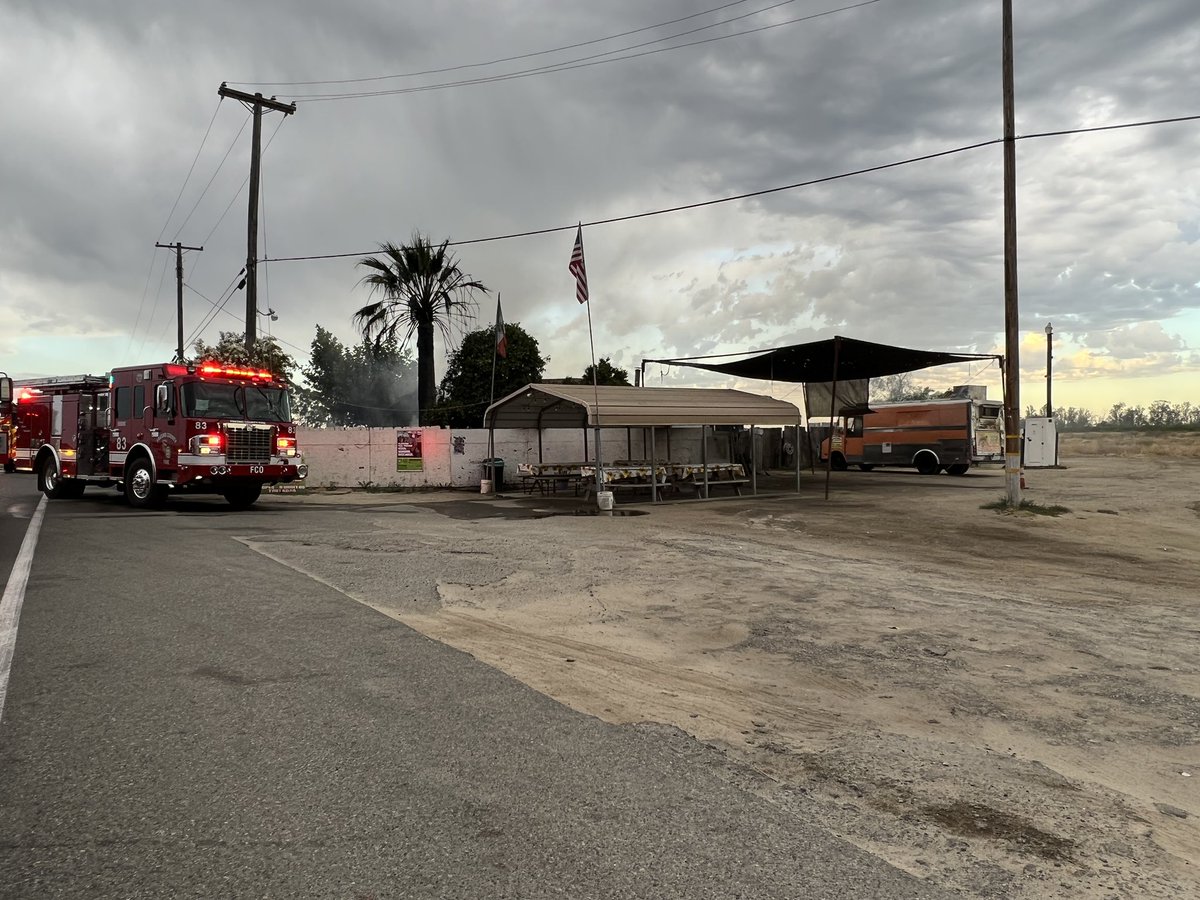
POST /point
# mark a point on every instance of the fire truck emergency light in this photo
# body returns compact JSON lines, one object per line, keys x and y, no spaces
{"x":286,"y":446}
{"x":210,"y":369}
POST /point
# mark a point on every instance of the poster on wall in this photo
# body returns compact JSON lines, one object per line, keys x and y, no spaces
{"x":408,"y":452}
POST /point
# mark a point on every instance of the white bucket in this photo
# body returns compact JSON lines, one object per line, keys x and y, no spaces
{"x":486,"y":486}
{"x":604,"y":500}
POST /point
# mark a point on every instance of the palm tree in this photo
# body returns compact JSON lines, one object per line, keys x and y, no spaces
{"x":421,"y":286}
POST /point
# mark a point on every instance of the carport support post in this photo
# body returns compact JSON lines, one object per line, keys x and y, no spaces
{"x":704,"y":456}
{"x":753,"y":459}
{"x":653,"y":471}
{"x":796,"y":454}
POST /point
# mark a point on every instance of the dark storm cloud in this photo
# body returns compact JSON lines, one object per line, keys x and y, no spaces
{"x":119,"y":95}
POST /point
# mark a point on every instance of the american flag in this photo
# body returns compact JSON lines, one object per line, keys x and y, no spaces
{"x":577,"y":269}
{"x":501,"y":339}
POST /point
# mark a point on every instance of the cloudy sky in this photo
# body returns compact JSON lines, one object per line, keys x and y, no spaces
{"x":111,"y":103}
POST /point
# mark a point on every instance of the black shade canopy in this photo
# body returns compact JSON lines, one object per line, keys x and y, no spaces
{"x":812,"y":362}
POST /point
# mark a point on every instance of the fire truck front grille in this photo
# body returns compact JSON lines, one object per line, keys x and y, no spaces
{"x":246,"y":443}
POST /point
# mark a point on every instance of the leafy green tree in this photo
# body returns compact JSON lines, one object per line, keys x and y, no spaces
{"x":466,"y":389}
{"x":371,"y":384}
{"x":897,"y":388}
{"x":230,"y":349}
{"x":606,"y":373}
{"x":420,"y":288}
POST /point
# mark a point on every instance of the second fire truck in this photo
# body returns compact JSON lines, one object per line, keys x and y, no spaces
{"x":153,"y":431}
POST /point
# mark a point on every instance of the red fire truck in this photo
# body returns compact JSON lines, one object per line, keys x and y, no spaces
{"x":6,"y":426}
{"x":157,"y":430}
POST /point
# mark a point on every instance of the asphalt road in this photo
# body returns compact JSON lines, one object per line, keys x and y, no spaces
{"x":187,"y":719}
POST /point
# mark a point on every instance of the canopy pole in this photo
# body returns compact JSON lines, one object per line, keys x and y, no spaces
{"x":753,"y":460}
{"x":653,"y":469}
{"x":837,"y":342}
{"x":704,"y":456}
{"x":796,"y":454}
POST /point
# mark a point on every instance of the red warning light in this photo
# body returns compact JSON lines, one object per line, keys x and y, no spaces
{"x":233,"y":372}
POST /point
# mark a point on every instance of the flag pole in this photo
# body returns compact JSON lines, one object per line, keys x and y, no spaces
{"x":596,"y":393}
{"x":595,"y":381}
{"x":495,"y":356}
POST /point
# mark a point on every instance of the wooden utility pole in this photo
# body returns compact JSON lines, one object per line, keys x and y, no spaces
{"x":257,"y":104}
{"x":1049,"y":369}
{"x":178,"y":248}
{"x":1012,"y":350}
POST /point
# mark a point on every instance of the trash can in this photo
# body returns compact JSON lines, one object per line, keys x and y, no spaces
{"x":493,"y":471}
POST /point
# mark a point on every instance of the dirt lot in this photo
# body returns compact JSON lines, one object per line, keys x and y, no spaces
{"x":1004,"y":704}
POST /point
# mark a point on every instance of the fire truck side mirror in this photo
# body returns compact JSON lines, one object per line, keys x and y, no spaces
{"x":162,"y":398}
{"x":6,"y":395}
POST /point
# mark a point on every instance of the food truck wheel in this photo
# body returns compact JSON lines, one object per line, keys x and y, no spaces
{"x":957,"y":469}
{"x":926,"y":463}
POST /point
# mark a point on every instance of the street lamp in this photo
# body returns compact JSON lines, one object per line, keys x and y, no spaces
{"x":1049,"y":357}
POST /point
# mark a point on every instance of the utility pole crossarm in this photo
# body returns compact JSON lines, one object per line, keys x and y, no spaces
{"x":257,"y":99}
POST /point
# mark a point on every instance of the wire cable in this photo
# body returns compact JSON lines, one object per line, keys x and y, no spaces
{"x":245,"y":181}
{"x":765,"y":191}
{"x":492,"y":62}
{"x":672,"y":209}
{"x":157,"y":297}
{"x":141,"y":305}
{"x":216,"y":171}
{"x":217,"y":306}
{"x":581,"y":63}
{"x":190,"y":170}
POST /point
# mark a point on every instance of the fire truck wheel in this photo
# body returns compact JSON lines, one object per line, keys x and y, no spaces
{"x":10,"y":467}
{"x":243,"y":496}
{"x":140,"y":490}
{"x":957,"y":469}
{"x":49,"y":481}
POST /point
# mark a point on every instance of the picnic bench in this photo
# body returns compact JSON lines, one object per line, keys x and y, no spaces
{"x":546,"y":478}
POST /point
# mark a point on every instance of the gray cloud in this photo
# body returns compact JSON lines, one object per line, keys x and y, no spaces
{"x":116,"y":97}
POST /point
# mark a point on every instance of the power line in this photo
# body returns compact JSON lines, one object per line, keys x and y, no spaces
{"x":660,"y":212}
{"x":582,"y":63}
{"x":191,"y":169}
{"x":216,"y":171}
{"x":142,"y":304}
{"x":760,"y":193}
{"x":220,"y":307}
{"x":492,"y":62}
{"x":217,"y":307}
{"x":245,"y":181}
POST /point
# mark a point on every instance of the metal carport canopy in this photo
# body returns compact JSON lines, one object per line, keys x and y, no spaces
{"x":575,"y":405}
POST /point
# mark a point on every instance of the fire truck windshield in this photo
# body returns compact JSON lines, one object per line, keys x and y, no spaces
{"x":230,"y":401}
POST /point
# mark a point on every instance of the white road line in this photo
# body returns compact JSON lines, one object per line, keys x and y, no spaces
{"x":14,"y":596}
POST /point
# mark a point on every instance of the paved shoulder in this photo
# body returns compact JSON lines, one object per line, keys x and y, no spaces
{"x":185,"y":719}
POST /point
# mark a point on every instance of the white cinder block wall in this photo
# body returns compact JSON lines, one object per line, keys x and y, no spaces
{"x":362,"y":457}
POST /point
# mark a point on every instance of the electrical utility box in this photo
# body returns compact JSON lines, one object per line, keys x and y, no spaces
{"x":1040,"y":446}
